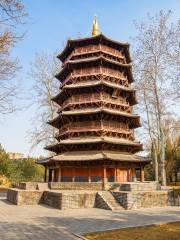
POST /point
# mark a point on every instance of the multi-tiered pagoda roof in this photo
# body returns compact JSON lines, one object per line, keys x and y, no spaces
{"x":95,"y":119}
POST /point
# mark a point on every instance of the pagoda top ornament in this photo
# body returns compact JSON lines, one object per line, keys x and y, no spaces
{"x":95,"y":30}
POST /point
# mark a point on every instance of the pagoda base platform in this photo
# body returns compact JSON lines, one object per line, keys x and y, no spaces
{"x":93,"y":186}
{"x":122,"y":196}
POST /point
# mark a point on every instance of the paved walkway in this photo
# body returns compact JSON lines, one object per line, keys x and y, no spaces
{"x":45,"y":223}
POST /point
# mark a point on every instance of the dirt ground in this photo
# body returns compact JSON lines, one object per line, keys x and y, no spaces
{"x":170,"y":231}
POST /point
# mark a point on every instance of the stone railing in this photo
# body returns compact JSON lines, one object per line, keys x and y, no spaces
{"x":76,"y":186}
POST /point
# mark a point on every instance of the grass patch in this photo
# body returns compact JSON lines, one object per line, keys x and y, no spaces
{"x":169,"y":231}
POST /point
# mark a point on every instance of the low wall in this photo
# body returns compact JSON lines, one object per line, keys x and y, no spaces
{"x":84,"y":195}
{"x":174,"y":197}
{"x":131,"y":186}
{"x":24,"y":197}
{"x":28,"y":185}
{"x":78,"y":200}
{"x":75,"y":186}
{"x":60,"y":200}
{"x":69,"y":200}
{"x":95,"y":186}
{"x":139,"y":186}
{"x":135,"y":200}
{"x":33,"y":186}
{"x":53,"y":199}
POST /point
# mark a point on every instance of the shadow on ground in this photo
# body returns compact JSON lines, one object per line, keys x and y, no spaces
{"x":44,"y":222}
{"x":108,"y":221}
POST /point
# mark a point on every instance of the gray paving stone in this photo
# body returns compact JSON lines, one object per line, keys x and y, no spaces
{"x":46,"y":223}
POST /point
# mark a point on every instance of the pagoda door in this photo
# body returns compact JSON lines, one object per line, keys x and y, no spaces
{"x":122,"y":175}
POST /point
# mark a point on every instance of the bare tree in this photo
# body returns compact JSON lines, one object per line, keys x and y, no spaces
{"x":151,"y":129}
{"x":156,"y":69}
{"x":45,"y":87}
{"x":12,"y":14}
{"x":172,"y":139}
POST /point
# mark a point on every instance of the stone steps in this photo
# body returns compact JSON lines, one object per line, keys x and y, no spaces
{"x":106,"y":200}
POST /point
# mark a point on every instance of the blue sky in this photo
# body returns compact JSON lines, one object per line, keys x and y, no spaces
{"x":50,"y":24}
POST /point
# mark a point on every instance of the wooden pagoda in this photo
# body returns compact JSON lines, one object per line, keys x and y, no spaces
{"x":95,"y":122}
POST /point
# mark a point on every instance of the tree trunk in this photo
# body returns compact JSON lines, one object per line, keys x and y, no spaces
{"x":160,"y":126}
{"x":150,"y":134}
{"x":156,"y":164}
{"x":162,"y":157}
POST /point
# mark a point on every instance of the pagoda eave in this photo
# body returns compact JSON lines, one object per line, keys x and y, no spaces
{"x":99,"y":110}
{"x":69,"y":66}
{"x":71,"y":87}
{"x":97,"y":83}
{"x":56,"y":121}
{"x":88,"y":156}
{"x":95,"y":140}
{"x":71,"y":44}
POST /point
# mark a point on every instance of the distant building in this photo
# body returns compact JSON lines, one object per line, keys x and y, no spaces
{"x":16,"y":156}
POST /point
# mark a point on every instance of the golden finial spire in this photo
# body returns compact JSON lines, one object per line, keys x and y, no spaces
{"x":95,"y":30}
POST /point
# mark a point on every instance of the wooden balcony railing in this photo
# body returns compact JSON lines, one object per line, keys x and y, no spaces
{"x":94,"y":76}
{"x":93,"y":49}
{"x":103,"y":99}
{"x":90,"y":126}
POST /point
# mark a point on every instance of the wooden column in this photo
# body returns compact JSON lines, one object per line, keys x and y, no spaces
{"x":142,"y":174}
{"x":115,"y":173}
{"x":59,"y":175}
{"x":104,"y":177}
{"x":45,"y":173}
{"x":89,"y":174}
{"x":50,"y":175}
{"x":133,"y":174}
{"x":55,"y":172}
{"x":129,"y":175}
